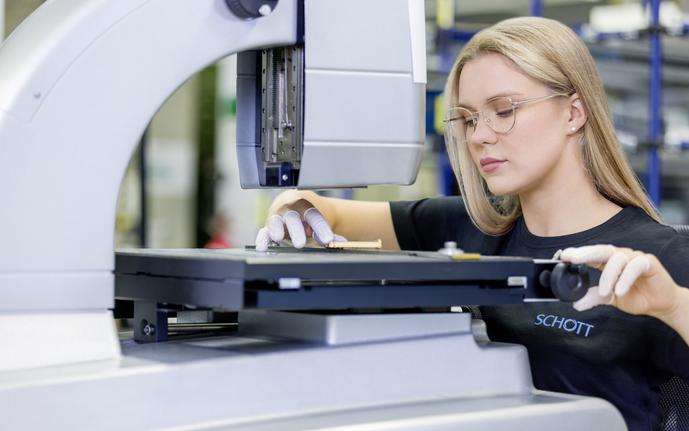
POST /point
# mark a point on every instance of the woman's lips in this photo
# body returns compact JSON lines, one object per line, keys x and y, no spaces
{"x":491,"y":165}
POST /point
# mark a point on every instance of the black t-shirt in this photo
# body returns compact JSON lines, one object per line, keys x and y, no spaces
{"x":602,"y":352}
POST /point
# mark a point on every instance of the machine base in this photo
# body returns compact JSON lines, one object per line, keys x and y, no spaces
{"x":252,"y":382}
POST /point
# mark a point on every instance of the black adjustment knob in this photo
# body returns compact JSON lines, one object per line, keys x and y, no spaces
{"x":248,"y":9}
{"x":568,"y":282}
{"x":544,"y":277}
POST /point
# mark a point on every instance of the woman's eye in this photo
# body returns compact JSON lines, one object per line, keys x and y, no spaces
{"x":504,"y":114}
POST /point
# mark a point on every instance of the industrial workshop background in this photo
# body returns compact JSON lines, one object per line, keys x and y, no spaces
{"x":181,"y":189}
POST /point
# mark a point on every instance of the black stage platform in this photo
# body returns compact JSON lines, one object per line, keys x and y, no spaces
{"x":323,"y":279}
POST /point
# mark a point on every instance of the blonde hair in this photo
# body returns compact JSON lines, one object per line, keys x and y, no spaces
{"x":552,"y":54}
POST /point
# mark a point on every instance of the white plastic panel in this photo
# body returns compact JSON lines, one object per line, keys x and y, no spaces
{"x":417,"y":23}
{"x":355,"y":164}
{"x":41,"y":49}
{"x":358,"y":35}
{"x":364,"y":120}
{"x":363,"y":107}
{"x":50,"y":291}
{"x":31,"y":340}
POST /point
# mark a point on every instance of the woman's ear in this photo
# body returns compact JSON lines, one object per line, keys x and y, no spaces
{"x":577,"y":114}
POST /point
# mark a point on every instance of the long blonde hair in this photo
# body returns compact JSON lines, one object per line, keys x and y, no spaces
{"x":552,"y":54}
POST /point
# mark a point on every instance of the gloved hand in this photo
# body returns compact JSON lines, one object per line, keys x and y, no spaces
{"x":295,"y":211}
{"x":634,"y":282}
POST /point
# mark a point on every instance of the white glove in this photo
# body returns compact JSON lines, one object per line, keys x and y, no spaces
{"x":623,"y":271}
{"x":274,"y":231}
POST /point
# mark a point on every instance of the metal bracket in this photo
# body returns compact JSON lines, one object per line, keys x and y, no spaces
{"x":150,"y":322}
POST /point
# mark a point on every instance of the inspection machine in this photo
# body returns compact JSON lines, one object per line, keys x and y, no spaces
{"x":330,"y":94}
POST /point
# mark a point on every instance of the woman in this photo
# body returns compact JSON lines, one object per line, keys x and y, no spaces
{"x":540,"y":171}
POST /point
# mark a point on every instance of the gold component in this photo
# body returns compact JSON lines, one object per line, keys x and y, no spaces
{"x":466,"y":256}
{"x":356,"y":244}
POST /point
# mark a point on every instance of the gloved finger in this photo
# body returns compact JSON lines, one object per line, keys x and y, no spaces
{"x":295,"y":227}
{"x":276,"y":228}
{"x":262,"y":240}
{"x":592,"y":299}
{"x":557,"y":254}
{"x":339,"y":238}
{"x":307,"y":230}
{"x":319,"y":240}
{"x":588,"y":254}
{"x":321,"y":230}
{"x":634,"y":269}
{"x":611,"y":272}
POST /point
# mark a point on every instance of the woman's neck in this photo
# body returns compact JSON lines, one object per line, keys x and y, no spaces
{"x":565,"y":204}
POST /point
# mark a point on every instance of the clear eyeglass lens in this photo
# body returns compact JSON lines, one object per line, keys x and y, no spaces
{"x":462,"y":123}
{"x":499,"y":114}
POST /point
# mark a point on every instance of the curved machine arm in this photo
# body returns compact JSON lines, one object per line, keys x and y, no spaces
{"x":81,"y":79}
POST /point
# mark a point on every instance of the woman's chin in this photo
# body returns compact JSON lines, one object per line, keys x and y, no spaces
{"x":501,"y":187}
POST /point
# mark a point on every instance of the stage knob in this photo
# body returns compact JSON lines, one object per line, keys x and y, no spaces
{"x":248,"y":9}
{"x":568,"y":282}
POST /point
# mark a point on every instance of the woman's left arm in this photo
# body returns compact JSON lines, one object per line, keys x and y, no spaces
{"x":635,"y":282}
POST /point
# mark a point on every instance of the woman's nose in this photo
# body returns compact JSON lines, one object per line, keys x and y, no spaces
{"x":482,"y":134}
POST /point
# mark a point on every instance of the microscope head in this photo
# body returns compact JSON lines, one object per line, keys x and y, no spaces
{"x":344,"y":107}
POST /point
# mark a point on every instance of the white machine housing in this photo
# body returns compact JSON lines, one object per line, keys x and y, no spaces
{"x":81,"y":79}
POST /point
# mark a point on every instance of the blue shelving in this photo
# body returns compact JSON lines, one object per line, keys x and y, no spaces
{"x":655,"y":124}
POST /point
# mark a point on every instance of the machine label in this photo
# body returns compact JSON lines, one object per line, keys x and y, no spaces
{"x":568,"y":325}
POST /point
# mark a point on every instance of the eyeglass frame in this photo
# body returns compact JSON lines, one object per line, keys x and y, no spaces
{"x":515,"y":105}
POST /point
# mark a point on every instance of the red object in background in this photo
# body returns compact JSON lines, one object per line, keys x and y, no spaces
{"x":218,"y":241}
{"x":219,"y":229}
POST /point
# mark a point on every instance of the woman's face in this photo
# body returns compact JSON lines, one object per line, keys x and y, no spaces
{"x":521,"y":159}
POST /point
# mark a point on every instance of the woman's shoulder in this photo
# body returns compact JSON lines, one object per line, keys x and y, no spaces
{"x":642,"y":232}
{"x":632,"y":221}
{"x":425,"y":224}
{"x":674,"y":255}
{"x":638,"y":226}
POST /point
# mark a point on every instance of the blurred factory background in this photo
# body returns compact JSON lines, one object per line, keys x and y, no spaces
{"x":182,"y":187}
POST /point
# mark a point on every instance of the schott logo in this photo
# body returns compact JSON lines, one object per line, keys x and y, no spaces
{"x":569,"y":325}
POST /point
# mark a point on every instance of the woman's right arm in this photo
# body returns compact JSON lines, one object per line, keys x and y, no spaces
{"x":298,"y":214}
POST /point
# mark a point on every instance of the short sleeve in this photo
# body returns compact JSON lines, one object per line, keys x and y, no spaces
{"x":674,"y":356}
{"x":678,"y":356}
{"x":427,"y":224}
{"x":675,"y":257}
